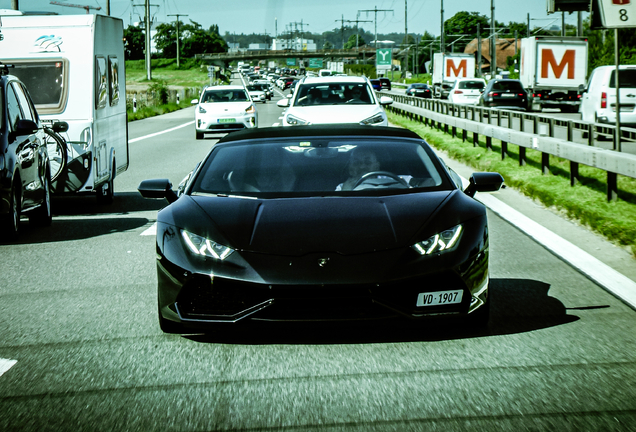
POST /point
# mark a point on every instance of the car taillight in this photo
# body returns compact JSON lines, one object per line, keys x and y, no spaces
{"x":604,"y":100}
{"x":492,"y":94}
{"x":520,"y":94}
{"x":458,"y":92}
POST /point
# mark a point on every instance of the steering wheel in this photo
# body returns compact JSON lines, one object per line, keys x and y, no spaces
{"x":380,"y":174}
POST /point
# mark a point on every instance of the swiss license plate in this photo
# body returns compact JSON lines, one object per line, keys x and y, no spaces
{"x":439,"y":298}
{"x":227,"y":120}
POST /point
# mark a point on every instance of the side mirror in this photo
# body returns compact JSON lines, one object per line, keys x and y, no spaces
{"x":582,"y":89}
{"x":385,"y":100}
{"x":60,"y":127}
{"x":283,"y":103}
{"x":26,"y":127}
{"x":484,"y":182}
{"x":157,"y":188}
{"x":194,"y":101}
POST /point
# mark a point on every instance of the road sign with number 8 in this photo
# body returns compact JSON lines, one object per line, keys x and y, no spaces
{"x":618,"y":13}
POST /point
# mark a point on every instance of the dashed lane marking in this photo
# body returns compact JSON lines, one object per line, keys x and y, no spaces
{"x":6,"y":364}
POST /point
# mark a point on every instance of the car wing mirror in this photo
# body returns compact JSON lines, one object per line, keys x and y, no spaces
{"x":26,"y":127}
{"x":283,"y":103}
{"x":582,"y":89}
{"x":194,"y":101}
{"x":484,"y":182}
{"x":157,"y":188}
{"x":385,"y":100}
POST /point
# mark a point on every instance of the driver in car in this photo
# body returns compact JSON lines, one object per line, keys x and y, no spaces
{"x":364,"y":161}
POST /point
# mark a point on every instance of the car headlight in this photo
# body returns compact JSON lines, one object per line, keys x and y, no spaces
{"x":201,"y":109}
{"x":442,"y":242}
{"x":201,"y":246}
{"x":293,"y":120}
{"x":251,"y":109}
{"x":378,"y":118}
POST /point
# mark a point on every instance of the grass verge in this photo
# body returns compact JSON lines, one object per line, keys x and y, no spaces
{"x":585,"y":202}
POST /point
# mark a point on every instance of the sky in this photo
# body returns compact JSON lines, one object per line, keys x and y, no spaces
{"x":316,"y":16}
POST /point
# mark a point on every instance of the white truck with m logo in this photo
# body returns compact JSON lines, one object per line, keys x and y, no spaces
{"x":552,"y":69}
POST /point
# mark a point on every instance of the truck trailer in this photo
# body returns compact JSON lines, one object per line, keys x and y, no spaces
{"x":73,"y":67}
{"x":552,"y":69}
{"x":447,"y":67}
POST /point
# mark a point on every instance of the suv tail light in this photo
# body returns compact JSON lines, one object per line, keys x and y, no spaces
{"x":604,"y":100}
{"x":458,"y":92}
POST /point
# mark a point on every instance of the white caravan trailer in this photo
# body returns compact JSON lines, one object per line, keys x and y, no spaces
{"x":73,"y":67}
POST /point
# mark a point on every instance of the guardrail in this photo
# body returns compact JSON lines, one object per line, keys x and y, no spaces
{"x":576,"y":141}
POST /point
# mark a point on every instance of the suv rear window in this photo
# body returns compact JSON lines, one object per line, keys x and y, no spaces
{"x":507,"y":85}
{"x":627,"y":78}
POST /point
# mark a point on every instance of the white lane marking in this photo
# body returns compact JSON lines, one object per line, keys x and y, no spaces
{"x":150,"y":231}
{"x":6,"y":364}
{"x":159,"y":133}
{"x":605,"y":276}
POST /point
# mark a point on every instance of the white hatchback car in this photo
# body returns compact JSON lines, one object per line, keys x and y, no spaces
{"x":466,"y":91}
{"x":224,"y":109}
{"x":334,"y":100}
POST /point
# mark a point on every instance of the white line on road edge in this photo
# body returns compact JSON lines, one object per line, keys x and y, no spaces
{"x":150,"y":231}
{"x":159,"y":133}
{"x":605,"y":276}
{"x":6,"y":364}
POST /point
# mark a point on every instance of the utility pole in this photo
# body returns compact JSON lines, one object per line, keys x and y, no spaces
{"x":357,"y":31}
{"x":406,"y":40}
{"x":442,"y":48}
{"x":376,"y":10}
{"x":493,"y":41}
{"x":342,"y":29}
{"x":177,"y":15}
{"x":478,"y":49}
{"x":147,"y":25}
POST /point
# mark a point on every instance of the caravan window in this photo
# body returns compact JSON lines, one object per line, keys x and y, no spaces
{"x":47,"y":81}
{"x":113,"y":66}
{"x":101,"y":83}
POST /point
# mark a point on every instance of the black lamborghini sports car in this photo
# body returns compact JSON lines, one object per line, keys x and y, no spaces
{"x":321,"y":223}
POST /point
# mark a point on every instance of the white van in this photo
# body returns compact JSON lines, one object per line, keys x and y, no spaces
{"x":324,"y":73}
{"x":73,"y":66}
{"x":598,"y":99}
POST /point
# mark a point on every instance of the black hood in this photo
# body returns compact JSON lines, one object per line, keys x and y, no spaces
{"x":296,"y":226}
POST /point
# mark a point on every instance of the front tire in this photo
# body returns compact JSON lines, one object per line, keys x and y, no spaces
{"x":11,"y":223}
{"x":43,"y":216}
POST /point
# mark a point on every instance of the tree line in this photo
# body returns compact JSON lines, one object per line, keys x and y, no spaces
{"x":459,"y":30}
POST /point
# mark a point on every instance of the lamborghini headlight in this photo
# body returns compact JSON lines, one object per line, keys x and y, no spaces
{"x":378,"y":118}
{"x":442,"y":242}
{"x":201,"y":246}
{"x":295,"y":121}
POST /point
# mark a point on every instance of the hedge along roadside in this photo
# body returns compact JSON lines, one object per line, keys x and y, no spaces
{"x":585,"y":202}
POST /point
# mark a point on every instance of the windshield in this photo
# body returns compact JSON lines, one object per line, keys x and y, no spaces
{"x":46,"y":81}
{"x":471,"y":85}
{"x":318,"y":166}
{"x":507,"y":85}
{"x":334,"y":94}
{"x":229,"y":95}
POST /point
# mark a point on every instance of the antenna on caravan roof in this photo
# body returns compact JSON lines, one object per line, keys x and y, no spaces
{"x":88,"y":8}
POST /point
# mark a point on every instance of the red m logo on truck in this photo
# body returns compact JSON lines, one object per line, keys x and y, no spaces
{"x":548,"y":60}
{"x":461,"y":69}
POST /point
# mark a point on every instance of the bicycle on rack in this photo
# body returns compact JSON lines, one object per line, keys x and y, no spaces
{"x":56,"y":148}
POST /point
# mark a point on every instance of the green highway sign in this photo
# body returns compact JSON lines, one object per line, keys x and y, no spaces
{"x":291,"y":62}
{"x":315,"y":63}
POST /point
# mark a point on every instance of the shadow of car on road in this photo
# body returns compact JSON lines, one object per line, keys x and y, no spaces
{"x":77,"y":218}
{"x":518,"y":306}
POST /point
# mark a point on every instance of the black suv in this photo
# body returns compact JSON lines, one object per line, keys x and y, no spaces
{"x":505,"y":94}
{"x":25,"y":173}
